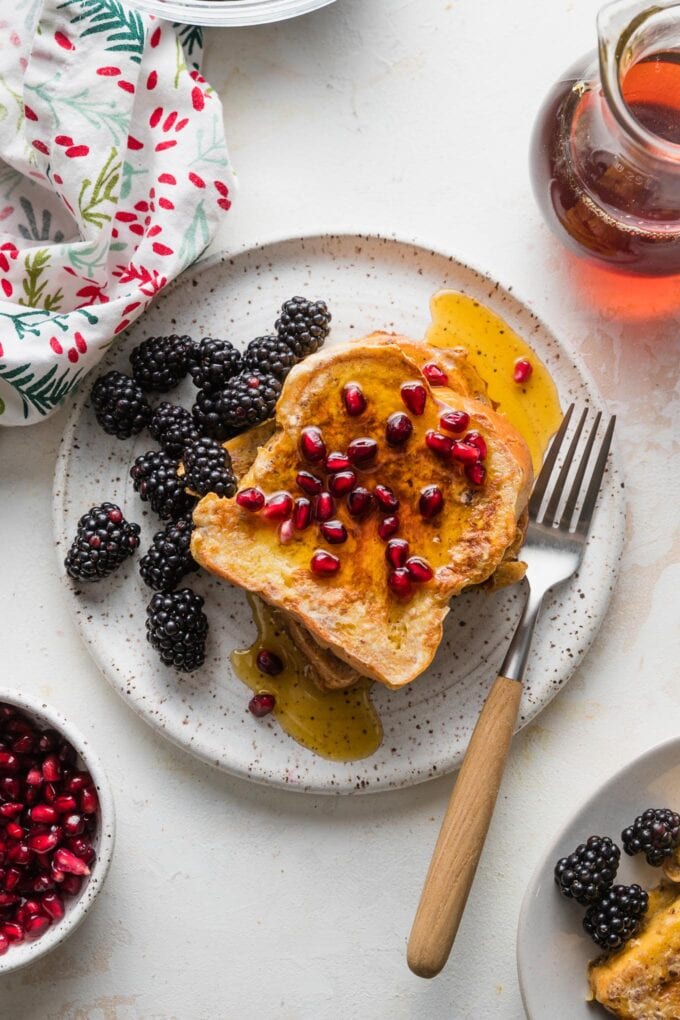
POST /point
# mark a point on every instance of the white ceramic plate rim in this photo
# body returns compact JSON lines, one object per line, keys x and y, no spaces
{"x":27,"y":953}
{"x":204,"y":752}
{"x":232,"y":13}
{"x":547,"y":860}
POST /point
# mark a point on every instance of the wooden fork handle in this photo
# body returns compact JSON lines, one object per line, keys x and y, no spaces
{"x":463,"y":832}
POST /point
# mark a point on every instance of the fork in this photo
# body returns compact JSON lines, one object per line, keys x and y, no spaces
{"x":554,"y":544}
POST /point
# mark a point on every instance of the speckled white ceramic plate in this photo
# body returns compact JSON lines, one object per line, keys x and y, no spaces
{"x":369,"y":283}
{"x":552,"y":949}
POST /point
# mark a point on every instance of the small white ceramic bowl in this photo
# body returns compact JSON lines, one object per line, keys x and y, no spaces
{"x":77,"y":907}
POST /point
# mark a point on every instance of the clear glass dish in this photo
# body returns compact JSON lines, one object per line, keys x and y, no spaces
{"x":228,"y":12}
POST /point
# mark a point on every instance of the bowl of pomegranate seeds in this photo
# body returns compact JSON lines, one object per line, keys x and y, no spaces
{"x":56,"y":829}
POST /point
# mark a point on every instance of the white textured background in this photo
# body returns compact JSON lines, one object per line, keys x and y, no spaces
{"x":230,"y":901}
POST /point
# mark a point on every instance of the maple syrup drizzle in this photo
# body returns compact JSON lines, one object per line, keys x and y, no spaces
{"x":339,"y":725}
{"x":493,"y":348}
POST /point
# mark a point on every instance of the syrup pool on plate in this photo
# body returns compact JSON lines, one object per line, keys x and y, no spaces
{"x":493,"y":348}
{"x":339,"y":725}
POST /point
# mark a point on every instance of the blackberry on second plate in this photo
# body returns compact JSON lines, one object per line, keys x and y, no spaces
{"x":176,"y":627}
{"x":169,"y":558}
{"x":103,"y":541}
{"x":304,"y":325}
{"x":271,"y":355}
{"x":155,"y":478}
{"x":589,"y":871}
{"x":214,"y":363}
{"x":173,"y":427}
{"x":616,"y":916}
{"x":119,"y":405}
{"x":655,"y":833}
{"x":161,"y":362}
{"x":207,"y":467}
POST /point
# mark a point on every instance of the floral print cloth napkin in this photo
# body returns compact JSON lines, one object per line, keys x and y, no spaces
{"x":114,"y":176}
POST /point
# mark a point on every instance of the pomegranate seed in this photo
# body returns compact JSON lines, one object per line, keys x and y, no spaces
{"x":362,"y":451}
{"x":454,"y":421}
{"x":73,"y":824}
{"x":64,"y":860}
{"x":13,"y":932}
{"x":36,"y":925}
{"x":269,"y":662}
{"x":387,"y":501}
{"x":431,"y":501}
{"x":478,"y":441}
{"x":360,"y":502}
{"x":462,"y":453}
{"x":397,"y":552}
{"x":302,"y":513}
{"x":80,"y":779}
{"x":81,"y":848}
{"x":11,"y":788}
{"x":8,"y":900}
{"x":89,"y":802}
{"x":51,"y":768}
{"x":388,"y":526}
{"x":34,"y":777}
{"x":43,"y":883}
{"x":354,"y":399}
{"x":414,"y":396}
{"x":49,"y":739}
{"x":19,"y":853}
{"x":8,"y":762}
{"x":278,"y":507}
{"x":261,"y":705}
{"x":70,"y":884}
{"x":419,"y":569}
{"x":438,"y":442}
{"x":62,"y":805}
{"x":10,"y":810}
{"x":334,"y":532}
{"x":14,"y":830}
{"x":49,"y":792}
{"x":53,"y":905}
{"x":24,"y":744}
{"x":12,"y":876}
{"x":435,"y":375}
{"x":250,"y":499}
{"x":286,"y":531}
{"x":475,"y":473}
{"x":43,"y":841}
{"x":342,"y":483}
{"x":67,"y":754}
{"x":398,"y":428}
{"x":312,"y":446}
{"x":324,"y":506}
{"x":45,"y":813}
{"x":309,"y":483}
{"x":337,"y":462}
{"x":324,"y":563}
{"x":4,"y":944}
{"x":400,"y":582}
{"x":522,"y":371}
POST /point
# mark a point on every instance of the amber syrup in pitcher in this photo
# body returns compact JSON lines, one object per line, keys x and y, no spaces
{"x":606,"y":147}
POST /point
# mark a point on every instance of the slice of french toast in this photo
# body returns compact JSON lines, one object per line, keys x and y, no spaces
{"x":354,"y":614}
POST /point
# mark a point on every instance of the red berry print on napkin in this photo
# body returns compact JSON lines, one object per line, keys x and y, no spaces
{"x":63,"y":41}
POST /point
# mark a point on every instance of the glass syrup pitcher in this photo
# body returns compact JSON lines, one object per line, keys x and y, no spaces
{"x":605,"y":153}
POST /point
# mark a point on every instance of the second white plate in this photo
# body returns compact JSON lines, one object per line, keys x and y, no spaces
{"x":369,"y":283}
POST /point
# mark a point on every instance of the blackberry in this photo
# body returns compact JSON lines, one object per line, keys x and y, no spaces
{"x":104,"y":539}
{"x":214,"y":363}
{"x":207,"y":467}
{"x":169,"y":557}
{"x":271,"y":355}
{"x":616,"y":916}
{"x":246,"y":400}
{"x":161,"y":362}
{"x":155,"y":478}
{"x":119,"y":405}
{"x":656,"y":834}
{"x":176,"y":627}
{"x":589,"y":871}
{"x":173,"y":427}
{"x":304,"y":325}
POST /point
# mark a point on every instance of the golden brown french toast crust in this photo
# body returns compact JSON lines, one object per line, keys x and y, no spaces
{"x":354,"y":614}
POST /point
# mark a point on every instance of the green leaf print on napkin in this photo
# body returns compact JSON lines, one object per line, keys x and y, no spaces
{"x":124,"y":28}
